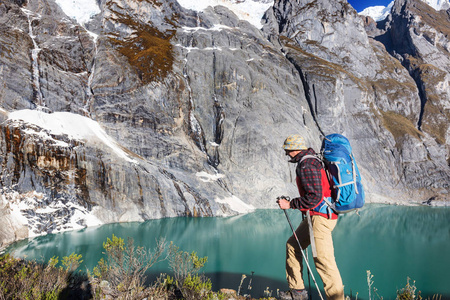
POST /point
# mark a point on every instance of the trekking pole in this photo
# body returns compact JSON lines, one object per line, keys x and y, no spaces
{"x":303,"y":254}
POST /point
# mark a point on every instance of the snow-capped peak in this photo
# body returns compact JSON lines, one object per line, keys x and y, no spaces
{"x":379,"y":13}
{"x":438,"y":4}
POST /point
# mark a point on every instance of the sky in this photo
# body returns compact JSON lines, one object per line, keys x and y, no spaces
{"x":359,"y":5}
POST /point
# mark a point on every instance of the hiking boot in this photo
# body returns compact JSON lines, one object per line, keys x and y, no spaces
{"x":294,"y":295}
{"x":285,"y":295}
{"x":299,"y":294}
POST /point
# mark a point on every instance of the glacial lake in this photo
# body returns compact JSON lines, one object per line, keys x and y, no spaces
{"x":393,"y":242}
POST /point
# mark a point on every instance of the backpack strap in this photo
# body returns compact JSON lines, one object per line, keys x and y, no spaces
{"x":314,"y":157}
{"x":309,"y":156}
{"x":331,"y":207}
{"x":354,"y":172}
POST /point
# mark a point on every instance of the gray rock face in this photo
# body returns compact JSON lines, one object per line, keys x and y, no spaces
{"x":195,"y":107}
{"x":419,"y":37}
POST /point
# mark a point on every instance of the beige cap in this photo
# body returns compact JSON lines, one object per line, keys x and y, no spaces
{"x":294,"y":142}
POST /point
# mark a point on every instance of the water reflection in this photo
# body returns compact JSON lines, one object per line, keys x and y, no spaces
{"x":394,"y":243}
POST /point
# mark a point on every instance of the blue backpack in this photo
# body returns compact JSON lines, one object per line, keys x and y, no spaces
{"x":345,"y":180}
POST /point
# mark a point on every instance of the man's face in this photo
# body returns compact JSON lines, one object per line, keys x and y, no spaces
{"x":292,"y":153}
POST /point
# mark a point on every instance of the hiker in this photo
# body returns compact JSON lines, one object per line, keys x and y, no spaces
{"x":313,"y":187}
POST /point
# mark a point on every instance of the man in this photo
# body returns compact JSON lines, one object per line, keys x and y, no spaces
{"x":313,"y":187}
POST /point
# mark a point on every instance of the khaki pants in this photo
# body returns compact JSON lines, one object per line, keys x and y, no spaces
{"x":325,"y":262}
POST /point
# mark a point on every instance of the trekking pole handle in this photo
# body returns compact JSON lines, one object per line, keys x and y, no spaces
{"x":287,"y":198}
{"x":284,"y":206}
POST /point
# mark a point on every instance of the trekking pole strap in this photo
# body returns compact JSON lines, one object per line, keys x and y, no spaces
{"x":311,"y":234}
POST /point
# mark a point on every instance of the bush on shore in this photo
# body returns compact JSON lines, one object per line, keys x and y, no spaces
{"x":21,"y":279}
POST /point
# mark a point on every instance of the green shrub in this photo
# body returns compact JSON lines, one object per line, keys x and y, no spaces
{"x":197,"y":287}
{"x":32,"y":280}
{"x":185,"y":267}
{"x":71,"y":262}
{"x":184,"y":264}
{"x":122,"y":273}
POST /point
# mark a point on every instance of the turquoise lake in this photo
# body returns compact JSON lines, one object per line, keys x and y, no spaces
{"x":393,"y":242}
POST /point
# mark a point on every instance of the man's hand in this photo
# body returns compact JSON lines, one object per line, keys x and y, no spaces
{"x":283,"y":203}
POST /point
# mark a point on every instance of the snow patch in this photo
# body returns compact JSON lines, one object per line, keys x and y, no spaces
{"x":43,"y":216}
{"x":205,"y":177}
{"x":236,"y":204}
{"x":190,"y":49}
{"x":80,"y":10}
{"x":216,"y":27}
{"x":73,"y":125}
{"x":248,"y":10}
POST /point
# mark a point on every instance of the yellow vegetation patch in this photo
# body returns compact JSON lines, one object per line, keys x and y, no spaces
{"x":431,"y":74}
{"x":399,"y":125}
{"x":147,"y":49}
{"x":435,"y":119}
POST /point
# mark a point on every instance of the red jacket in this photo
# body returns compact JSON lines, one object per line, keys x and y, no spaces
{"x":312,"y":183}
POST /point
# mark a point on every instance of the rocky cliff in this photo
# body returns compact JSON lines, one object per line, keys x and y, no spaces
{"x":153,"y":110}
